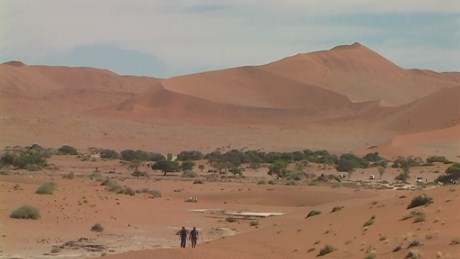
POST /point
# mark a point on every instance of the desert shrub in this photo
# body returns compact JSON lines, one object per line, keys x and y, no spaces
{"x":349,"y":162}
{"x":254,"y":223}
{"x":67,"y":150}
{"x":413,"y":254}
{"x":31,"y":158}
{"x":278,"y":169}
{"x":198,"y":181}
{"x":402,"y":162}
{"x":56,"y":249}
{"x":189,"y":155}
{"x":313,"y":213}
{"x":25,"y":212}
{"x":441,"y":159}
{"x":230,"y":219}
{"x":138,"y":173}
{"x":414,"y":243}
{"x":97,"y":228}
{"x":451,"y":176}
{"x":109,"y":154}
{"x":336,"y":208}
{"x":69,"y":176}
{"x":455,"y":241}
{"x":369,"y":222}
{"x":326,"y":250}
{"x":187,"y":165}
{"x":189,"y":174}
{"x":404,"y":175}
{"x":139,"y":155}
{"x":47,"y":188}
{"x":420,"y":200}
{"x":293,"y":175}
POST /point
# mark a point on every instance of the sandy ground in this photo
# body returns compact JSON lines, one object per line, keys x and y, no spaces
{"x":148,"y":226}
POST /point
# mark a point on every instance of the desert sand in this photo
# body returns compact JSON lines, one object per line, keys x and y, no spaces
{"x":345,"y":100}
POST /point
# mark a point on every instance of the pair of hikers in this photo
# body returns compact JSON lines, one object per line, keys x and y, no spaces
{"x":193,"y":236}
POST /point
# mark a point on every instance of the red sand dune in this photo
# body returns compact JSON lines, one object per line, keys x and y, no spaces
{"x":344,"y":99}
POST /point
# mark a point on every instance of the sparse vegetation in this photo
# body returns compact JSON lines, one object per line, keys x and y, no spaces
{"x":404,"y":175}
{"x":230,"y":219}
{"x":97,"y":228}
{"x":25,"y":212}
{"x":138,"y":173}
{"x":31,"y":158}
{"x":47,"y":188}
{"x":420,"y":200}
{"x":369,"y":222}
{"x":67,"y":150}
{"x":337,"y":208}
{"x":69,"y":176}
{"x":326,"y":250}
{"x":109,"y":154}
{"x":451,"y":176}
{"x":313,"y":213}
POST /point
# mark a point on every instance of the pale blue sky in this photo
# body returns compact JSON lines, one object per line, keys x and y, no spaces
{"x":165,"y":38}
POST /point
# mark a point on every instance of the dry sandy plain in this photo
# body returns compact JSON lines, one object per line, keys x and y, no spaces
{"x":346,"y":100}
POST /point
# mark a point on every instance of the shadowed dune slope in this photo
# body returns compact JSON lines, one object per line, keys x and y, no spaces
{"x":361,"y":74}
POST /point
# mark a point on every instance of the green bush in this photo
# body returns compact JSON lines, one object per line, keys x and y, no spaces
{"x":404,"y":175}
{"x":47,"y":188}
{"x":25,"y":212}
{"x":406,"y":162}
{"x":31,"y":158}
{"x":97,"y":228}
{"x":420,"y":200}
{"x":451,"y":176}
{"x":187,"y":165}
{"x":433,"y":159}
{"x":109,"y":154}
{"x":67,"y":150}
{"x":138,"y":173}
{"x":189,"y":155}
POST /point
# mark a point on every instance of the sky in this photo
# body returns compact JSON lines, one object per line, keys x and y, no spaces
{"x":165,"y":38}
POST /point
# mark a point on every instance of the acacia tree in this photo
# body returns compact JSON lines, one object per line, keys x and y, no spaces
{"x":166,"y":166}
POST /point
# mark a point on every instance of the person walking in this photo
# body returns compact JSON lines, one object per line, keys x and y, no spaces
{"x":183,"y":237}
{"x":193,"y":236}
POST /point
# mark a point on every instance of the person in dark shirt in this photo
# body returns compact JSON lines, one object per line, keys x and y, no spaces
{"x":183,"y":237}
{"x":193,"y":236}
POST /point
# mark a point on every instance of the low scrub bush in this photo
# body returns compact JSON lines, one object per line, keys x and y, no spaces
{"x":25,"y":212}
{"x":326,"y":250}
{"x":97,"y":228}
{"x":451,"y":176}
{"x":47,"y":188}
{"x":138,"y":173}
{"x":369,"y":222}
{"x":420,"y":200}
{"x":313,"y":213}
{"x":109,"y":154}
{"x":67,"y":150}
{"x":336,"y":208}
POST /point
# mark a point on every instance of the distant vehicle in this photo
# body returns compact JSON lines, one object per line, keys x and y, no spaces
{"x":419,"y":179}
